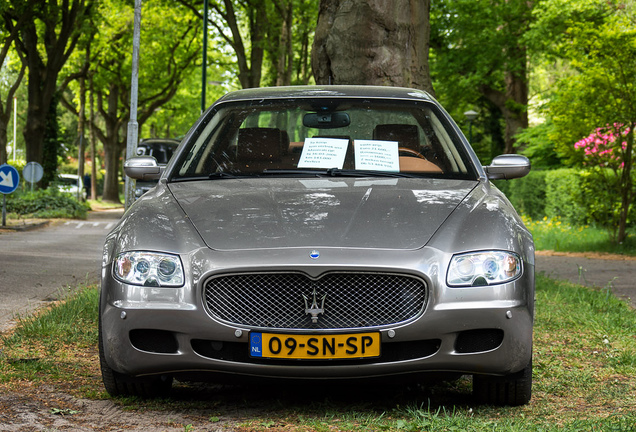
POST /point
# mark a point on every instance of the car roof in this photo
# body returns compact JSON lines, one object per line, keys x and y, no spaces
{"x":327,"y":91}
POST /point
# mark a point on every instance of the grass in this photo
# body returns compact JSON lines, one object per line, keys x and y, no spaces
{"x":584,"y":366}
{"x":552,"y":234}
{"x":98,"y":204}
{"x":56,"y":346}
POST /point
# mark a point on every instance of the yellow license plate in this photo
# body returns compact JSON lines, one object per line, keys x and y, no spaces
{"x":319,"y":347}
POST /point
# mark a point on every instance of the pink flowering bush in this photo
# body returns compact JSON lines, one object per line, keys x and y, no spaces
{"x":605,"y":147}
{"x":609,"y":155}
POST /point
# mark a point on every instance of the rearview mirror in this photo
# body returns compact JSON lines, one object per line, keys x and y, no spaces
{"x":508,"y":166}
{"x":326,"y":120}
{"x":142,"y":168}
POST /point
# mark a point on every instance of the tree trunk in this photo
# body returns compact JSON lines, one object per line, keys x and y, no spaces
{"x":258,"y":30}
{"x":37,"y":109}
{"x":91,"y":132}
{"x":81,"y":121}
{"x":41,"y":90}
{"x":373,"y":42}
{"x":513,"y":105}
{"x":50,"y":144}
{"x":285,"y":53}
{"x":112,"y":155}
{"x":627,"y":186}
{"x":110,"y":138}
{"x":303,"y":73}
{"x":3,"y":142}
{"x":6,"y":112}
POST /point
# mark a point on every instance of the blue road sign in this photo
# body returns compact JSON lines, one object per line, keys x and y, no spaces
{"x":9,"y":179}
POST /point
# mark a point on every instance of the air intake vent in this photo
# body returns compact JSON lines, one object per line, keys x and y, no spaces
{"x":473,"y":341}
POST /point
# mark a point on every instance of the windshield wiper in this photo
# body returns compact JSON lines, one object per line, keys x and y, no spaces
{"x":304,"y":172}
{"x":336,"y":172}
{"x":222,"y":175}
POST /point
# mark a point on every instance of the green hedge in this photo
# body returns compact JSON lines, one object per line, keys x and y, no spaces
{"x":526,"y":194}
{"x":46,"y":203}
{"x":575,"y":196}
{"x":565,"y":197}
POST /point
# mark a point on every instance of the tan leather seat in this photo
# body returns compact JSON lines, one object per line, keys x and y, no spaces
{"x":416,"y":164}
{"x":408,"y":139}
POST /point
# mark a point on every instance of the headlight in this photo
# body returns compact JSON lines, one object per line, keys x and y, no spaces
{"x":483,"y":268}
{"x":149,"y":269}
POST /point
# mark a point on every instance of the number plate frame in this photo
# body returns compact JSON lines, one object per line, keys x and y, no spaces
{"x":315,"y":346}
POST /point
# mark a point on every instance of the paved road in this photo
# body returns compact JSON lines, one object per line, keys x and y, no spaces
{"x":44,"y":264}
{"x":617,"y":273}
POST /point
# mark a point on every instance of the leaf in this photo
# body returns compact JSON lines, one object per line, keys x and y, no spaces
{"x":63,"y":411}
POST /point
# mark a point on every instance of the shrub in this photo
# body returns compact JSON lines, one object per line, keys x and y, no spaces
{"x":564,"y":196}
{"x":47,"y":203}
{"x":608,"y":152}
{"x":574,"y":196}
{"x":17,"y":164}
{"x":527,"y":194}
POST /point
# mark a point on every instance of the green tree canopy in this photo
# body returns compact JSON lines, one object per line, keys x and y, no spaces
{"x":479,"y":59}
{"x":598,"y":39}
{"x":170,"y":46}
{"x":46,"y":39}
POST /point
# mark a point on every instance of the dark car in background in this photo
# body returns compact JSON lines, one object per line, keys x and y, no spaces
{"x":162,"y":150}
{"x":336,"y":232}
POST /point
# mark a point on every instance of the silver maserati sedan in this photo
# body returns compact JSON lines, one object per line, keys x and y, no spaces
{"x":336,"y":232}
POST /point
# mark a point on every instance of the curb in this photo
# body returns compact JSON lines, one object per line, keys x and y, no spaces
{"x":25,"y":227}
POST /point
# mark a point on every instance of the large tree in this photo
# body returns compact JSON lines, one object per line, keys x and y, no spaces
{"x":378,"y":42}
{"x":46,"y":40}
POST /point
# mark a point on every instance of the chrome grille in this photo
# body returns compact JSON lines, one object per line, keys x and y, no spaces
{"x":279,"y":300}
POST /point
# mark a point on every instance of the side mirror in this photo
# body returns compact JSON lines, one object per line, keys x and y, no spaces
{"x":142,"y":168}
{"x":508,"y":166}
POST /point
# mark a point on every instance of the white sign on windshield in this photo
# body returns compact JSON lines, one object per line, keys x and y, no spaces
{"x":323,"y":153}
{"x":377,"y":155}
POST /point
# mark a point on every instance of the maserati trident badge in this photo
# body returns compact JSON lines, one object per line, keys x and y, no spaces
{"x":314,"y":310}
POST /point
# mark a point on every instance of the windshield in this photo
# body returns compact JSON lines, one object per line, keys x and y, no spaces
{"x":67,"y":181}
{"x":328,"y":137}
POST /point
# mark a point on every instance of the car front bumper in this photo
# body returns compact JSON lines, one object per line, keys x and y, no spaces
{"x":480,"y":330}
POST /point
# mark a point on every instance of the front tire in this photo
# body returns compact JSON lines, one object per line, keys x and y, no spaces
{"x":512,"y":390}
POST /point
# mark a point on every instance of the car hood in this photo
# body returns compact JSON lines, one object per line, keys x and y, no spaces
{"x":232,"y":214}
